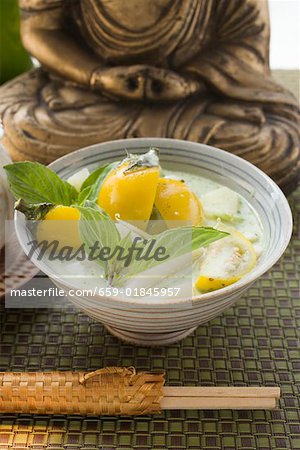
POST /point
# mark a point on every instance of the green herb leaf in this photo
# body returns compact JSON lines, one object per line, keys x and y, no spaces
{"x":176,"y":242}
{"x":83,"y":195}
{"x":203,"y":236}
{"x":36,"y":183}
{"x":118,"y":265}
{"x":96,"y":227}
{"x":91,"y":186}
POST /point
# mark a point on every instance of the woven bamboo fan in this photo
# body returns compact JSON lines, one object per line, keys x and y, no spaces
{"x":119,"y":391}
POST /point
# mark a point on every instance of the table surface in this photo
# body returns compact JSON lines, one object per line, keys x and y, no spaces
{"x":256,"y":342}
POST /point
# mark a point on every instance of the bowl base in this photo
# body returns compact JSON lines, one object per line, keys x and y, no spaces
{"x":149,"y":339}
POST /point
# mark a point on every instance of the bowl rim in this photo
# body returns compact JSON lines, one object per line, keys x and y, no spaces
{"x":240,"y":285}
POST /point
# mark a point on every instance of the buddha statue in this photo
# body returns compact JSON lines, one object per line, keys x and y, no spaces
{"x":186,"y":69}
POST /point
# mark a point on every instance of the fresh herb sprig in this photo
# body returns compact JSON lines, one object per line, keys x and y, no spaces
{"x":96,"y":226}
{"x":37,"y":188}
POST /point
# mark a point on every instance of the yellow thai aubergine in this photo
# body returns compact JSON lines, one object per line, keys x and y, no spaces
{"x":176,"y":201}
{"x":208,"y":284}
{"x":226,"y":262}
{"x":129,"y":194}
{"x":61,"y":223}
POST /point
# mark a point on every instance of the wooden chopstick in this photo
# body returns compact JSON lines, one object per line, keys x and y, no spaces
{"x":220,"y":397}
{"x":224,"y":391}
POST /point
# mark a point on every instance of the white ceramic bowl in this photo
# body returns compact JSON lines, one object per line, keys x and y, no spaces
{"x":169,"y":320}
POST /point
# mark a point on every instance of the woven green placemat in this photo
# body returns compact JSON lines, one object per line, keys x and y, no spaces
{"x":256,"y":342}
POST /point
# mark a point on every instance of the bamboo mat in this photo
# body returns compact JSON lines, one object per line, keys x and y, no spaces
{"x":256,"y":342}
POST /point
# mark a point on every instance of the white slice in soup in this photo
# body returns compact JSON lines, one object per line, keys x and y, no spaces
{"x":221,"y":202}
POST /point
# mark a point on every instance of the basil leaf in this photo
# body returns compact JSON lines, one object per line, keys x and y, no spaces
{"x":96,"y":227}
{"x":83,"y":195}
{"x":92,"y":178}
{"x":176,"y":242}
{"x":203,"y":236}
{"x":91,"y":186}
{"x":118,"y":265}
{"x":36,"y":183}
{"x":92,"y":205}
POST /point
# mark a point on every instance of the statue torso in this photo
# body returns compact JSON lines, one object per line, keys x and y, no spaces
{"x":160,"y":32}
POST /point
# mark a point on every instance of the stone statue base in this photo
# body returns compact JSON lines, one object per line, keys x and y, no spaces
{"x":45,"y":118}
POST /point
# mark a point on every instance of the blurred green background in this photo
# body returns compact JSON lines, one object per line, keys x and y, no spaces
{"x":13,"y":57}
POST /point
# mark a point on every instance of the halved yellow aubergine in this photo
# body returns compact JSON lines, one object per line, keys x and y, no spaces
{"x":175,"y":201}
{"x":60,"y":223}
{"x":128,"y":191}
{"x":225,"y":262}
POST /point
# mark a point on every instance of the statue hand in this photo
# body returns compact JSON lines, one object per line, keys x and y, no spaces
{"x":167,"y":85}
{"x":120,"y":82}
{"x":142,"y":82}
